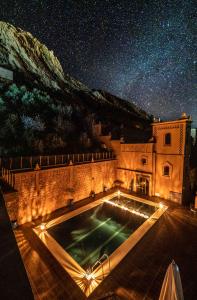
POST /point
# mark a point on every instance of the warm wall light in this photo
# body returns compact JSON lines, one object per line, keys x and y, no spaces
{"x":118,"y":194}
{"x":133,"y":211}
{"x":89,"y":276}
{"x":161,"y":205}
{"x":43,"y":227}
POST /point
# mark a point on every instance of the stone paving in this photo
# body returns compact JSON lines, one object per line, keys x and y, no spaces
{"x":14,"y":283}
{"x":138,"y":276}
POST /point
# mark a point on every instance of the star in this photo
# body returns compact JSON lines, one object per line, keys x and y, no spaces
{"x":142,"y":51}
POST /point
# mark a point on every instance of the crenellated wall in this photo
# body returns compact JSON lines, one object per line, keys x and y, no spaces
{"x":44,"y":191}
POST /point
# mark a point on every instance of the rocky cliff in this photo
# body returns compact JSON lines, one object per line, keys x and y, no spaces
{"x":60,"y":108}
{"x":20,"y":51}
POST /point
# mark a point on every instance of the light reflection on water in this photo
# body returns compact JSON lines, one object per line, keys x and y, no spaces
{"x":100,"y":230}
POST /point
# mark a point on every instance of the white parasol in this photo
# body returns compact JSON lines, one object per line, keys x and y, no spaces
{"x":172,"y":287}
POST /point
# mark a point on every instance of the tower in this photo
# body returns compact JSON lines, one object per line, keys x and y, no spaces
{"x":171,"y":159}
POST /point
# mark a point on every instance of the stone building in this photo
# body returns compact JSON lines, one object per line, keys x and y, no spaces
{"x":159,"y":166}
{"x":156,"y":164}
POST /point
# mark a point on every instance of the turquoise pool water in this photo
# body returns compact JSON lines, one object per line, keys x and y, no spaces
{"x":102,"y":229}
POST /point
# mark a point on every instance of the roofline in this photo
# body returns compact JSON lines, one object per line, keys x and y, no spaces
{"x":183,"y":120}
{"x":135,"y":143}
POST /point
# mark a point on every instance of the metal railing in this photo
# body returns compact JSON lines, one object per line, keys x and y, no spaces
{"x":8,"y":176}
{"x":100,"y":262}
{"x":29,"y":162}
{"x":9,"y":166}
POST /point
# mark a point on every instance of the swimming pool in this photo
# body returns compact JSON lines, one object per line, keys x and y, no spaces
{"x":89,"y":242}
{"x":100,"y":230}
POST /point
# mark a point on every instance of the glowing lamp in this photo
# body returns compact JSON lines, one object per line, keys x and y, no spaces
{"x":89,"y":276}
{"x":161,"y":205}
{"x":43,"y":227}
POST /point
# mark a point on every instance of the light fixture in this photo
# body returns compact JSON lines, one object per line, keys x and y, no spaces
{"x":89,"y":276}
{"x":43,"y":227}
{"x":118,"y":193}
{"x":133,"y":211}
{"x":161,"y":205}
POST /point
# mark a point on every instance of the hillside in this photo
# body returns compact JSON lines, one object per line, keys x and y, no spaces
{"x":45,"y":110}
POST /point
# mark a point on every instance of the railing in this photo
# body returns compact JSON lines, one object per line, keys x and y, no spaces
{"x":29,"y":162}
{"x":100,"y":262}
{"x":8,"y":176}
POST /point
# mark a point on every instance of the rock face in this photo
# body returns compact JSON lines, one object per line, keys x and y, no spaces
{"x":20,"y":51}
{"x":118,"y":102}
{"x":48,"y":105}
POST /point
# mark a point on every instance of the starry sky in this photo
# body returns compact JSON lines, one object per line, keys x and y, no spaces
{"x":142,"y":51}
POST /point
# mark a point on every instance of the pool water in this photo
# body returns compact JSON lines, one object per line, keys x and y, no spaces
{"x":100,"y":230}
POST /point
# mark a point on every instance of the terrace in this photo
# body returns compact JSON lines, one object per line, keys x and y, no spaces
{"x":11,"y":165}
{"x":138,"y":276}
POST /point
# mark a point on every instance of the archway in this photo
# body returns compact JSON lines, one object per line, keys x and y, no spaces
{"x":142,"y":185}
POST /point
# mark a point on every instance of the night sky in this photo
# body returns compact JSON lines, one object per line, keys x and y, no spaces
{"x":143,"y":51}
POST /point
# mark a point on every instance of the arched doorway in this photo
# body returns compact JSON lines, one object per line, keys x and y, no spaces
{"x":142,"y":185}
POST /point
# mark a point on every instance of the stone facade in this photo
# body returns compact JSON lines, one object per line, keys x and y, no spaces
{"x":159,"y":167}
{"x":135,"y":160}
{"x":44,"y":191}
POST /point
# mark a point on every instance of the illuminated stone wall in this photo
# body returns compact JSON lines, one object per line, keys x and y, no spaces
{"x":148,"y":161}
{"x":132,"y":155}
{"x":42,"y":192}
{"x":135,"y":159}
{"x":11,"y":200}
{"x":175,"y":156}
{"x":169,"y":187}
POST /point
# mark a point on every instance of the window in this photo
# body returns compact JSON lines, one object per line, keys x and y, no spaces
{"x":144,"y":161}
{"x":167,"y":139}
{"x":166,"y":171}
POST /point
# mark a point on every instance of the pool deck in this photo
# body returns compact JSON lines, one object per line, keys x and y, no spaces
{"x":138,"y":276}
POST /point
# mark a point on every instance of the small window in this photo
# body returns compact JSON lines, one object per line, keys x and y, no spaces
{"x":144,"y":161}
{"x":166,"y":171}
{"x":167,"y":139}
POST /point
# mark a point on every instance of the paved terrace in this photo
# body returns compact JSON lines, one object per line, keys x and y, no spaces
{"x":14,"y":282}
{"x":139,"y":275}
